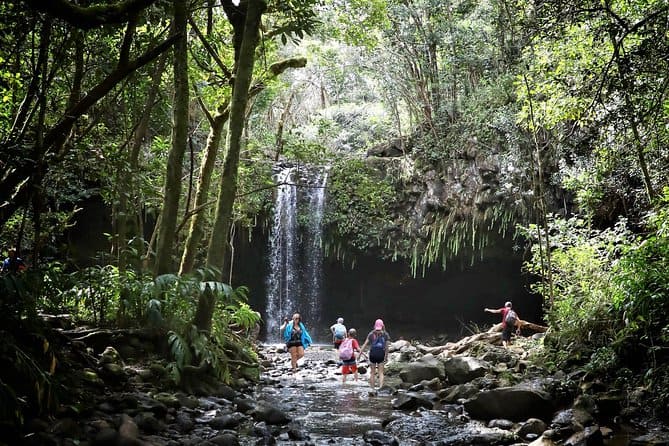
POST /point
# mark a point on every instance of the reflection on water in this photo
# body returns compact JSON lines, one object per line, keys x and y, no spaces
{"x":329,"y":409}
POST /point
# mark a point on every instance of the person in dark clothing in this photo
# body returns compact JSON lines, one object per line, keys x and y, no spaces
{"x":13,"y":263}
{"x":510,"y":321}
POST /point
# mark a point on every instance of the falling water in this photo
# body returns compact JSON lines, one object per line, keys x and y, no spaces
{"x":294,"y":281}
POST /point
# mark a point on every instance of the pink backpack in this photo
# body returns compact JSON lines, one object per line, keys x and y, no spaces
{"x":346,"y":349}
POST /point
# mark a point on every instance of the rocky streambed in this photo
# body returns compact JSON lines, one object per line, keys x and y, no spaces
{"x":478,"y":395}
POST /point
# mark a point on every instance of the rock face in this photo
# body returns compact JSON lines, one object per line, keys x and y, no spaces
{"x":514,"y":403}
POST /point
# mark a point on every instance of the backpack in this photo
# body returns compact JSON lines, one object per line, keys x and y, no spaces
{"x":379,"y":344}
{"x":511,"y":318}
{"x":346,"y":349}
{"x":340,"y":331}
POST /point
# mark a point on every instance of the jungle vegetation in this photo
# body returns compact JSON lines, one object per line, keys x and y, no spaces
{"x":547,"y":120}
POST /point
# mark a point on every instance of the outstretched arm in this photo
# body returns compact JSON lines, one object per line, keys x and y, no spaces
{"x":492,"y":310}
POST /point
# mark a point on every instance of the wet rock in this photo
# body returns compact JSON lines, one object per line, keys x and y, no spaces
{"x":571,"y":420}
{"x":106,"y":437}
{"x":411,"y":401}
{"x":67,"y":427}
{"x":244,"y":405}
{"x":651,"y":439}
{"x":501,"y":424}
{"x":542,"y":441}
{"x":110,"y":356}
{"x":148,"y":423}
{"x":590,"y":436}
{"x":184,"y":422}
{"x":531,"y":426}
{"x":426,"y":368}
{"x":463,"y":369}
{"x":379,"y":438}
{"x":515,"y":403}
{"x":226,"y":421}
{"x":455,"y":393}
{"x":270,"y":415}
{"x":225,"y":439}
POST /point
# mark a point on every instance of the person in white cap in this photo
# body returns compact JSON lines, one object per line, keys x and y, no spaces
{"x":339,"y":331}
{"x":510,"y":322}
{"x":378,"y":340}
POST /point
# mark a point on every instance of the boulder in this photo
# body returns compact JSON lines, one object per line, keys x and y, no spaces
{"x":426,"y":368}
{"x":411,"y":401}
{"x":462,"y":369}
{"x":514,"y":403}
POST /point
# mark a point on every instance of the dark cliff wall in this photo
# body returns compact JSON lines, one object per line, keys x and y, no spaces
{"x":441,"y":303}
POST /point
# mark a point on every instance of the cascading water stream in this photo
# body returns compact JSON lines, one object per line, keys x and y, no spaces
{"x":295,"y":277}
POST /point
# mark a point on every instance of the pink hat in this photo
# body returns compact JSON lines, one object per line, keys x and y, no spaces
{"x":378,"y":325}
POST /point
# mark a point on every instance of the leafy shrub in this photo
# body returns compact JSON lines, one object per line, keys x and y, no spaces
{"x":358,"y":207}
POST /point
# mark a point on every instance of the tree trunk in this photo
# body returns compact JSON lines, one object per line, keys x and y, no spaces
{"x":127,"y":221}
{"x":218,"y":247}
{"x":172,"y":191}
{"x":196,"y":231}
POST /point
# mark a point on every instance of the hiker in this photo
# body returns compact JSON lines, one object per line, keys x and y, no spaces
{"x":297,"y":338}
{"x":378,"y":340}
{"x":13,"y":263}
{"x":347,"y":351}
{"x":338,"y":330}
{"x":510,"y":321}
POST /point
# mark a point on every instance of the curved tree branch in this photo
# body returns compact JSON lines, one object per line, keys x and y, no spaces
{"x":91,"y":16}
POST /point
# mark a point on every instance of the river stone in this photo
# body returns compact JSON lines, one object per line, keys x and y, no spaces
{"x":426,"y":368}
{"x":515,"y":403}
{"x":380,"y":438}
{"x":463,"y":369}
{"x":184,"y":422}
{"x":531,"y":426}
{"x":225,"y":422}
{"x":244,"y":404}
{"x":106,"y":437}
{"x":109,"y":356}
{"x":455,"y":393}
{"x":652,"y":439}
{"x":147,"y":422}
{"x":411,"y":401}
{"x":225,"y":439}
{"x":542,"y":441}
{"x":128,"y":431}
{"x":590,"y":436}
{"x":501,"y":424}
{"x":270,"y":414}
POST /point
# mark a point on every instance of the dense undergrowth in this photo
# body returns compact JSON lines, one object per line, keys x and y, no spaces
{"x":32,"y":382}
{"x":606,"y":295}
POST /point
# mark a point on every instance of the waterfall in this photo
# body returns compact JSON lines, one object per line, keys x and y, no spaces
{"x":295,"y":277}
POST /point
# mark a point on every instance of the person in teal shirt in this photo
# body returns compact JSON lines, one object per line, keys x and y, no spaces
{"x":297,"y":338}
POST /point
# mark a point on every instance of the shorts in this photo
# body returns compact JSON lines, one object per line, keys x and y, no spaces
{"x":506,"y":333}
{"x":377,"y":357}
{"x":294,"y":344}
{"x":337,"y":343}
{"x":349,"y":366}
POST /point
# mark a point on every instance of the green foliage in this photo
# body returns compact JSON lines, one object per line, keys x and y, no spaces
{"x":358,"y":209}
{"x":611,"y":291}
{"x":27,"y":384}
{"x":219,"y":350}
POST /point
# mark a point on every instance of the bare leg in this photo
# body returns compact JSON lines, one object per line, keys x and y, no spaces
{"x":380,"y":375}
{"x":293,"y":358}
{"x":372,"y":375}
{"x":300,"y":353}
